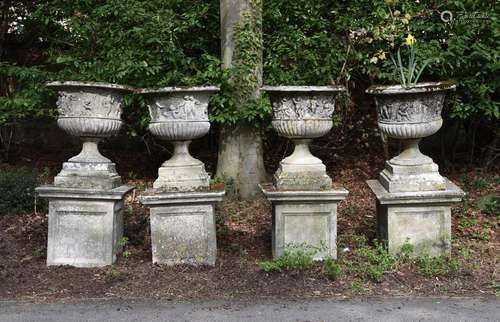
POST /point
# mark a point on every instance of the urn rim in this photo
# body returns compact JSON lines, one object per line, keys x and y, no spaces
{"x":425,"y":87}
{"x":304,"y":89}
{"x":64,"y":85}
{"x":177,"y":89}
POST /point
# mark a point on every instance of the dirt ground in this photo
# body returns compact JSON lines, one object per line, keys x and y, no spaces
{"x":244,"y":239}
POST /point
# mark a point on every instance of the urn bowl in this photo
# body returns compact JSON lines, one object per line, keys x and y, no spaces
{"x":88,"y":109}
{"x":410,"y":113}
{"x":178,"y":114}
{"x":303,"y":112}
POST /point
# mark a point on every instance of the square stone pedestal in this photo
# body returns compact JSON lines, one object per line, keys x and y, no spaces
{"x":307,"y":218}
{"x":422,"y":219}
{"x":183,"y":226}
{"x":85,"y":226}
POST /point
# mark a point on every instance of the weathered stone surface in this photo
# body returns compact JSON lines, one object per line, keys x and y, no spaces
{"x":92,"y":112}
{"x":183,"y":227}
{"x":407,"y":178}
{"x":85,"y":226}
{"x":306,"y":218}
{"x":410,"y":114}
{"x":302,"y":113}
{"x":422,"y":219}
{"x":301,"y":170}
{"x":179,"y":115}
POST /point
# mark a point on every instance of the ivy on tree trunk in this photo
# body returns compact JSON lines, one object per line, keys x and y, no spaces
{"x":240,"y":158}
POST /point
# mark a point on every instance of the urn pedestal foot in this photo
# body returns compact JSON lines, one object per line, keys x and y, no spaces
{"x":183,"y":226}
{"x":421,"y":218}
{"x":305,"y":218}
{"x":85,"y":225}
{"x":182,"y":172}
{"x":301,"y":170}
{"x":411,"y":171}
{"x":88,"y":170}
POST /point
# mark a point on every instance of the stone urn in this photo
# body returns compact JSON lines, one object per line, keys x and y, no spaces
{"x":408,"y":115}
{"x":90,"y":111}
{"x":302,"y":113}
{"x":180,"y":115}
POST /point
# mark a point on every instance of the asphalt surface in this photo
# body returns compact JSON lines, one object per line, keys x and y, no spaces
{"x":387,"y":310}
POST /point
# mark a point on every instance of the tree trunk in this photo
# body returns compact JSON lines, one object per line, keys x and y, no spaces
{"x":240,"y":157}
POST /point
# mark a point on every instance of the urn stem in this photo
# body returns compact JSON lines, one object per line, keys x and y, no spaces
{"x":301,"y":154}
{"x":411,"y":149}
{"x":181,"y":155}
{"x":90,"y":152}
{"x":302,"y":146}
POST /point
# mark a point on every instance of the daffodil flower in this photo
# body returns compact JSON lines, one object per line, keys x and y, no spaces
{"x":410,"y":40}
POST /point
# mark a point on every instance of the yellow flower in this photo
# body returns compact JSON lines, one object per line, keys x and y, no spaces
{"x":410,"y":40}
{"x":373,"y":60}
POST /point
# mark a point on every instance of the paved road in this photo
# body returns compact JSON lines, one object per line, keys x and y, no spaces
{"x":387,"y":310}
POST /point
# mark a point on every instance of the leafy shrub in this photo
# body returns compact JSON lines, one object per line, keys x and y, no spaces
{"x":17,"y":190}
{"x":376,"y":261}
{"x":158,"y":43}
{"x":406,"y":251}
{"x":332,"y":268}
{"x":433,"y":266}
{"x":296,"y":257}
{"x":490,"y":205}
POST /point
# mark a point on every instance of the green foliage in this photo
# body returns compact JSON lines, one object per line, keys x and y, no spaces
{"x":332,"y":268}
{"x":435,"y":266}
{"x":480,"y":183}
{"x":357,"y":288}
{"x":295,"y":257}
{"x":316,"y":42}
{"x":17,"y":190}
{"x":24,"y":95}
{"x":136,"y":42}
{"x":467,"y":222}
{"x":406,"y":251}
{"x":375,"y":262}
{"x":490,"y":205}
{"x":124,"y":242}
{"x":150,"y":43}
{"x":410,"y":75}
{"x":143,"y":43}
{"x":239,"y":99}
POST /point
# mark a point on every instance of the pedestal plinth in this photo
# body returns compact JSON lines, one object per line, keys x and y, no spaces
{"x":183,"y":226}
{"x":301,"y":170}
{"x":89,"y":169}
{"x":85,"y":225}
{"x":421,"y":218}
{"x":306,"y":218}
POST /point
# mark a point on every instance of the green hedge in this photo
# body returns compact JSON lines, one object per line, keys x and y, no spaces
{"x":17,"y":191}
{"x":176,"y":42}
